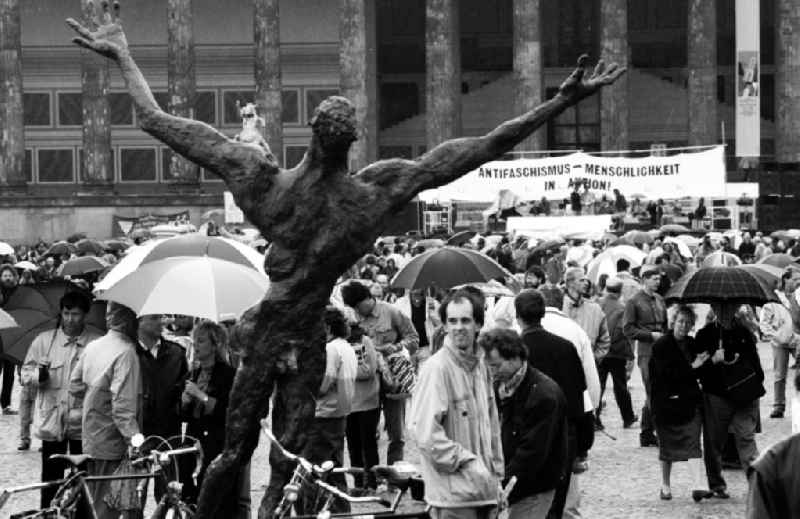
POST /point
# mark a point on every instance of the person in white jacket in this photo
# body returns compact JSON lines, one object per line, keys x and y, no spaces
{"x":455,"y":422}
{"x":775,"y":323}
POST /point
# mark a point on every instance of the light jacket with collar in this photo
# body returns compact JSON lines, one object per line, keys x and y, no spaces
{"x":455,"y":422}
{"x":590,"y":316}
{"x":58,"y":414}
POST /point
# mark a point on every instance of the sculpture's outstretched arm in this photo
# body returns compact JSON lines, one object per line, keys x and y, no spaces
{"x":454,"y":158}
{"x":234,"y":162}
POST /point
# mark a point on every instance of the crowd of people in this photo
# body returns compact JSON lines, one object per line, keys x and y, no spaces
{"x":489,"y":387}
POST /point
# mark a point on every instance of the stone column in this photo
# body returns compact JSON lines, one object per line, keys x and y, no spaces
{"x":702,"y":81}
{"x":787,"y":82}
{"x":98,"y":171}
{"x":614,"y":99}
{"x":528,"y":67}
{"x":181,"y":82}
{"x":266,"y":33}
{"x":443,"y":72}
{"x":358,"y":79}
{"x":12,"y":124}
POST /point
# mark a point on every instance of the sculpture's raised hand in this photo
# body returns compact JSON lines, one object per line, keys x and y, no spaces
{"x":107,"y":38}
{"x":577,"y":86}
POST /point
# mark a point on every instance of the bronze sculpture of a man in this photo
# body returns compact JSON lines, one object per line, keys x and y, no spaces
{"x":319,"y":218}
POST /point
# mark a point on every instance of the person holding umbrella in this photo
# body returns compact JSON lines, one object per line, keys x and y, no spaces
{"x":46,"y":373}
{"x":732,"y":383}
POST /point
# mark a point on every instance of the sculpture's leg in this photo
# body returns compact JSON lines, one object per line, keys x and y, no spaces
{"x":264,"y":336}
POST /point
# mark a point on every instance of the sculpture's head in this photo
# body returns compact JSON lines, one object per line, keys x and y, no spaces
{"x":334,"y":124}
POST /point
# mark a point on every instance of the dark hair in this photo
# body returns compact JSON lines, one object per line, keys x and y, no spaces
{"x":353,"y":293}
{"x":465,"y":294}
{"x":356,"y":334}
{"x":538,"y":272}
{"x":77,"y":300}
{"x":601,"y":282}
{"x":529,"y":305}
{"x":623,"y":265}
{"x":506,"y":341}
{"x":334,"y":319}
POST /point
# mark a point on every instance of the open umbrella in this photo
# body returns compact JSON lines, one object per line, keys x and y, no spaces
{"x":199,"y":286}
{"x":674,"y":228}
{"x":606,"y":261}
{"x":188,"y":245}
{"x":769,"y":274}
{"x":213,"y":213}
{"x":547,"y":245}
{"x":778,"y":260}
{"x":36,"y":309}
{"x":683,"y":248}
{"x":115,"y":245}
{"x":638,"y":237}
{"x":61,"y":247}
{"x":491,"y":288}
{"x":7,"y":320}
{"x":26,"y":265}
{"x":786,"y":235}
{"x":581,"y":255}
{"x":721,"y":259}
{"x":88,"y":247}
{"x":689,"y":240}
{"x":721,"y":285}
{"x":76,"y":237}
{"x":447,"y":267}
{"x":460,"y":238}
{"x":6,"y":249}
{"x":83,"y":265}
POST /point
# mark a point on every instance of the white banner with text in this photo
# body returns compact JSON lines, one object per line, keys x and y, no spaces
{"x":699,"y":173}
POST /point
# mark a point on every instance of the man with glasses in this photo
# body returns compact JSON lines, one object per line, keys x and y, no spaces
{"x":644,"y":322}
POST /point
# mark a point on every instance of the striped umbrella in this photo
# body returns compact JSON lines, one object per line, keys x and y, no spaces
{"x":721,"y":285}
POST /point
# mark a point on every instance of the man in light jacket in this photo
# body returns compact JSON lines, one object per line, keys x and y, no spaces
{"x":455,"y":422}
{"x":46,"y":370}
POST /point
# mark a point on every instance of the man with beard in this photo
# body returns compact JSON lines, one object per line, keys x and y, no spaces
{"x":164,"y":372}
{"x":8,"y":283}
{"x":46,"y":371}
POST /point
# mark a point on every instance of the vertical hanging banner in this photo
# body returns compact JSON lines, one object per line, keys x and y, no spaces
{"x":748,"y":68}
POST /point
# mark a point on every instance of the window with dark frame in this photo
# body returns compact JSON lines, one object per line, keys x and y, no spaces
{"x":229,"y":110}
{"x":138,"y":165}
{"x":28,"y":166}
{"x":121,"y":107}
{"x":205,"y":107}
{"x":578,"y":127}
{"x":36,"y":108}
{"x":56,"y":165}
{"x":290,"y":101}
{"x":70,"y":108}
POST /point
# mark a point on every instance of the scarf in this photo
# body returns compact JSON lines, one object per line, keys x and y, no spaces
{"x":506,"y":389}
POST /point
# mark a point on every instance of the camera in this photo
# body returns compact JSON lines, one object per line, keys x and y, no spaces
{"x":44,"y":372}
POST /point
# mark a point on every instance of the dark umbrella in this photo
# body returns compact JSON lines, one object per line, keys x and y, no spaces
{"x":721,"y":285}
{"x":460,"y":238}
{"x":115,"y":245}
{"x":83,"y":265}
{"x":36,"y":309}
{"x":87,"y":247}
{"x":674,"y":228}
{"x":672,"y":271}
{"x":61,"y":247}
{"x":78,"y":236}
{"x":447,"y":267}
{"x":547,"y":245}
{"x":779,"y":260}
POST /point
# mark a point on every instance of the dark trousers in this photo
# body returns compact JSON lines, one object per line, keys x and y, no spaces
{"x":326,"y":443}
{"x":616,"y":368}
{"x":584,"y":435}
{"x":7,"y":370}
{"x":560,"y":497}
{"x":648,"y":428}
{"x":54,"y":469}
{"x":394,"y":417}
{"x":362,"y":443}
{"x":719,"y":415}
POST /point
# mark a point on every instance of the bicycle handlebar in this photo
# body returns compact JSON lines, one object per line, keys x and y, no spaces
{"x":162,"y":458}
{"x":350,"y":499}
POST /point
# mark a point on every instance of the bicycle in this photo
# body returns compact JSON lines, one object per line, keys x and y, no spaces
{"x":74,"y":489}
{"x":309,"y":478}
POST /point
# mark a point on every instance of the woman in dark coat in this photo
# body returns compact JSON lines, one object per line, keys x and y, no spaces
{"x":677,"y":401}
{"x":205,"y":400}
